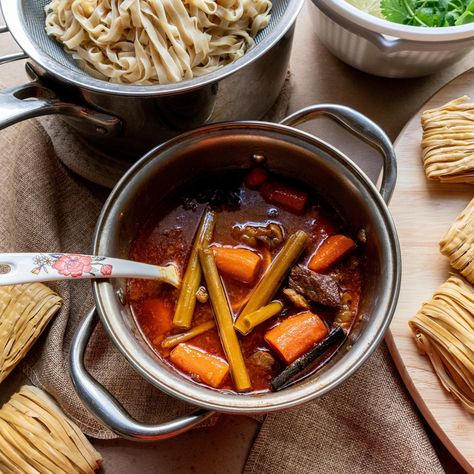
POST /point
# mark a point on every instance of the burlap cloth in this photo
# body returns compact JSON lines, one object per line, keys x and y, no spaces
{"x":367,"y":425}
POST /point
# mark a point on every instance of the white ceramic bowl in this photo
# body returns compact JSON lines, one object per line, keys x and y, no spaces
{"x":384,"y":48}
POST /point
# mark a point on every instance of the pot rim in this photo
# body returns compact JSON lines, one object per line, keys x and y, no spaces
{"x":12,"y":13}
{"x":265,"y":402}
{"x":407,"y":32}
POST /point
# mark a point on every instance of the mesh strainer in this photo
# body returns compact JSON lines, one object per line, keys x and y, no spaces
{"x":123,"y":122}
{"x":25,"y":21}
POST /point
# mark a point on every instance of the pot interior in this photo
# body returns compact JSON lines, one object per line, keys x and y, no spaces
{"x":290,"y":153}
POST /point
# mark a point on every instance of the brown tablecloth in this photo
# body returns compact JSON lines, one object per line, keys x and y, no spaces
{"x":367,"y":425}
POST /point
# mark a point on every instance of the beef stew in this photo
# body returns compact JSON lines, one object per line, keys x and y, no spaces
{"x":249,"y":307}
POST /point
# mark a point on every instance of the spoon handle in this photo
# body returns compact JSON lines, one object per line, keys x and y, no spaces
{"x":36,"y":267}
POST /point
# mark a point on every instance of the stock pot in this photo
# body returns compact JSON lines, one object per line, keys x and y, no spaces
{"x":124,"y":120}
{"x":233,"y":145}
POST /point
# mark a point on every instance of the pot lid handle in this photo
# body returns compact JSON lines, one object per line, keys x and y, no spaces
{"x":106,"y":408}
{"x":363,"y":128}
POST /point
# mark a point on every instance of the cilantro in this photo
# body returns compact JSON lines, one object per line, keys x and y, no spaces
{"x":467,"y":16}
{"x":433,"y":13}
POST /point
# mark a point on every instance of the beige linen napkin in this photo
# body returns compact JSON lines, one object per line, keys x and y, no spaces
{"x":368,"y":425}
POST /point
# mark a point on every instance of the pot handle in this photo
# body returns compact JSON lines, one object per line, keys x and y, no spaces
{"x":360,"y":126}
{"x":106,"y":408}
{"x":33,"y":100}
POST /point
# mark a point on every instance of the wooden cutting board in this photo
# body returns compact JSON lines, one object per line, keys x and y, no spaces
{"x":423,"y":211}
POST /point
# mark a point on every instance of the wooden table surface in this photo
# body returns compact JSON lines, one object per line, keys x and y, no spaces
{"x":318,"y":77}
{"x":424,"y":269}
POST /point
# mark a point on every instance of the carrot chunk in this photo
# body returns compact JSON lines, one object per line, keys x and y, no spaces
{"x":160,"y":312}
{"x":331,"y":251}
{"x":289,"y":198}
{"x":256,"y":178}
{"x":296,"y":335}
{"x":239,"y":263}
{"x":196,"y":362}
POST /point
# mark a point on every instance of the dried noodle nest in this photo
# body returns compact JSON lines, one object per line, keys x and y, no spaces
{"x":458,"y":243}
{"x":448,"y":142}
{"x":25,"y":310}
{"x":35,"y":437}
{"x":444,"y":331}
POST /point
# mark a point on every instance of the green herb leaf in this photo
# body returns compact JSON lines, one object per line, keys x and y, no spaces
{"x":467,"y":16}
{"x":433,"y":13}
{"x":395,"y":10}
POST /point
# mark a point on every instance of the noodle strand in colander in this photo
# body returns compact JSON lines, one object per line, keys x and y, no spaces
{"x":155,"y":41}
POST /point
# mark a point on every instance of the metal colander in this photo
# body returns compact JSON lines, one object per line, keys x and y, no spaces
{"x":25,"y":21}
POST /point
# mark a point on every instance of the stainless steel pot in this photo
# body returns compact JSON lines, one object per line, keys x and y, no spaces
{"x":231,"y":146}
{"x":127,"y":120}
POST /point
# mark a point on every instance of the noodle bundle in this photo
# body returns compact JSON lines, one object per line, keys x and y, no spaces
{"x":36,"y":438}
{"x":458,"y":243}
{"x":155,"y":41}
{"x":444,"y":331}
{"x":448,"y":142}
{"x":25,"y":311}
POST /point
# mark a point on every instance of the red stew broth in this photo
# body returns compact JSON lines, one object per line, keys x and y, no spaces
{"x":167,"y":237}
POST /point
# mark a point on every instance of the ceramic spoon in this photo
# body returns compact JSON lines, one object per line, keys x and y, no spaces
{"x":35,"y":267}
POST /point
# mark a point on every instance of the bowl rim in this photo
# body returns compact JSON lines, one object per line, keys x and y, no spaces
{"x":185,"y":390}
{"x":397,"y":30}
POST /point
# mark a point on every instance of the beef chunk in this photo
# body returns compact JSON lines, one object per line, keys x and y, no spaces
{"x":314,"y":286}
{"x":263,"y":360}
